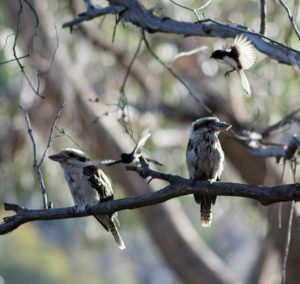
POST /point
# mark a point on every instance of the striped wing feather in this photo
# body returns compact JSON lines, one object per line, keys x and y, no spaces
{"x":246,"y":51}
{"x":100,"y":182}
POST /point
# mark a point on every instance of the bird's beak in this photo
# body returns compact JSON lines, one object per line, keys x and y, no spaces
{"x":57,"y":157}
{"x":221,"y":126}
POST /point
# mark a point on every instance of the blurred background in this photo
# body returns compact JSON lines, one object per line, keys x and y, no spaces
{"x":104,"y":114}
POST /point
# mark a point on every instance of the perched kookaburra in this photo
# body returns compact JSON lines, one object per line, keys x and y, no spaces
{"x":88,"y":185}
{"x":205,"y":159}
{"x":240,"y":56}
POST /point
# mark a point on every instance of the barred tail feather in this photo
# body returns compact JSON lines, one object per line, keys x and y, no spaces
{"x":109,"y":224}
{"x":205,"y":210}
{"x":206,"y":214}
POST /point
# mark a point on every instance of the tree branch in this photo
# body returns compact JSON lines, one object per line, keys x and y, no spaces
{"x":293,"y":116}
{"x":291,"y":18}
{"x":256,"y":146}
{"x":36,"y":166}
{"x":132,"y":11}
{"x":263,"y":12}
{"x":94,"y":13}
{"x":178,"y":187}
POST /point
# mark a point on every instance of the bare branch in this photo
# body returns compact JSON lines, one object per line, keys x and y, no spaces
{"x":263,"y":11}
{"x":36,"y":166}
{"x":284,"y":121}
{"x":295,"y":14}
{"x":123,"y":103}
{"x":178,"y":187}
{"x":292,"y":147}
{"x":291,"y":17}
{"x":14,"y":59}
{"x":254,"y":141}
{"x":94,"y":13}
{"x":146,"y":172}
{"x":132,"y":11}
{"x":258,"y":148}
{"x":289,"y":230}
{"x":185,"y":84}
{"x":195,"y":11}
{"x":288,"y":241}
{"x":30,"y":48}
{"x":50,"y":138}
{"x":63,"y":132}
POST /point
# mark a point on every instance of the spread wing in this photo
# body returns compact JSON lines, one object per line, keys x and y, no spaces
{"x":140,"y":145}
{"x":100,"y":182}
{"x":246,"y":51}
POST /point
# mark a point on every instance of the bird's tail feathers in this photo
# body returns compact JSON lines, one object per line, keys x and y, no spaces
{"x":109,"y":223}
{"x":117,"y":237}
{"x":245,"y":83}
{"x":205,"y":210}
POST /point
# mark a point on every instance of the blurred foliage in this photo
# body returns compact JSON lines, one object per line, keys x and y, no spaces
{"x":25,"y":256}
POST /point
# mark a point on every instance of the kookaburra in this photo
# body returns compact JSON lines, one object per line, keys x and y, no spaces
{"x":88,"y":185}
{"x":205,"y":159}
{"x":240,"y":56}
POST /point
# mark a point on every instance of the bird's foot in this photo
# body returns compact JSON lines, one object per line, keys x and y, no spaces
{"x":211,"y":180}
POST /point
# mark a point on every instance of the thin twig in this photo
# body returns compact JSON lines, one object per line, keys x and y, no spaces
{"x":94,"y":13}
{"x":263,"y":12}
{"x":289,"y":229}
{"x":195,"y":11}
{"x":185,"y":84}
{"x":37,"y":23}
{"x":280,"y":204}
{"x":123,"y":102}
{"x":288,"y":241}
{"x":36,"y":166}
{"x":50,"y":137}
{"x":291,"y":17}
{"x":254,"y":141}
{"x":285,"y":120}
{"x":14,"y":59}
{"x":295,"y":14}
{"x":40,"y":74}
{"x":30,"y":49}
{"x":292,"y":147}
{"x":64,"y":133}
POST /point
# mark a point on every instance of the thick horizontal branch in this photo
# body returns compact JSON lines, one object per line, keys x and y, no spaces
{"x":178,"y":187}
{"x":132,"y":11}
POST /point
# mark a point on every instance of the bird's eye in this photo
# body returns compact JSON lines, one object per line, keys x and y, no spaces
{"x":72,"y":155}
{"x":197,"y":127}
